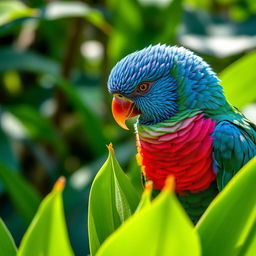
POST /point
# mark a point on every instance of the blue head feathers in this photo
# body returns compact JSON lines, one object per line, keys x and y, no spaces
{"x":174,"y":77}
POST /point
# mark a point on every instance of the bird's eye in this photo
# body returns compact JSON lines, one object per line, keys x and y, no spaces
{"x":143,"y":87}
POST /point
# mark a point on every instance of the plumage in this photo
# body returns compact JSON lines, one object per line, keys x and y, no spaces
{"x":186,"y":128}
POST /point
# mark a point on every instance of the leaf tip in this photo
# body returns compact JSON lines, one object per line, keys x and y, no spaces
{"x":148,"y":187}
{"x":110,"y":148}
{"x":59,"y":184}
{"x":169,"y":184}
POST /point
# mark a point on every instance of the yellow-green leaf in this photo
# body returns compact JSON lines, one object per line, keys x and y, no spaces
{"x":146,"y":196}
{"x":228,"y":220}
{"x":47,"y":233}
{"x":12,"y":10}
{"x":7,"y":245}
{"x":112,"y":200}
{"x":249,"y":246}
{"x":239,"y":79}
{"x":161,"y":228}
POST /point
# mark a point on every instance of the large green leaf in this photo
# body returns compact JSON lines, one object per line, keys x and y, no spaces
{"x":7,"y":245}
{"x":161,"y":228}
{"x":226,"y":223}
{"x":249,"y":246}
{"x":47,"y":234}
{"x":239,"y":79}
{"x":112,"y":200}
{"x":24,"y":197}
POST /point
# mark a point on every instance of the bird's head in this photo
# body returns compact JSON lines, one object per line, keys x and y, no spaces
{"x":158,"y":81}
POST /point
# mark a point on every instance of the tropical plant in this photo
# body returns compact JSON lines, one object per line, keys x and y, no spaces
{"x":55,"y":121}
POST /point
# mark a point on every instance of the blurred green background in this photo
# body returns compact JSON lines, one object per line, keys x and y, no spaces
{"x":55,"y":117}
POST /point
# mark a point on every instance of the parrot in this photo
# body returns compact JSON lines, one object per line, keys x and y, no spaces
{"x":185,"y":126}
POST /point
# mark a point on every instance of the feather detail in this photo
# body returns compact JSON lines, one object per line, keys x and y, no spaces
{"x":180,"y":148}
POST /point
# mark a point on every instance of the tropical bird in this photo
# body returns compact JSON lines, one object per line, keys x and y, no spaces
{"x":186,"y":127}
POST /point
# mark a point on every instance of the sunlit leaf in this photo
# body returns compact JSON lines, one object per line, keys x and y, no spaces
{"x":7,"y":245}
{"x":24,"y":197}
{"x":47,"y":233}
{"x":249,"y":246}
{"x":146,"y":196}
{"x":112,"y":200}
{"x":239,"y":79}
{"x":11,"y":10}
{"x":226,"y":223}
{"x":161,"y":228}
{"x":57,"y":10}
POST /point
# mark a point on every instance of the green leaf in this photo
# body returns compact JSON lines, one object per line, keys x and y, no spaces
{"x":23,"y":196}
{"x":228,"y":219}
{"x":249,"y":246}
{"x":161,"y":229}
{"x":112,"y":200}
{"x":238,"y":79}
{"x":146,"y":196}
{"x":47,"y":234}
{"x":12,"y":10}
{"x":7,"y":245}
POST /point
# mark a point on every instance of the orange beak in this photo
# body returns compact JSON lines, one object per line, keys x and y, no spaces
{"x":123,"y":109}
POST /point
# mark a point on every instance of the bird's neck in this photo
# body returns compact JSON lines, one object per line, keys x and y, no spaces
{"x":154,"y":128}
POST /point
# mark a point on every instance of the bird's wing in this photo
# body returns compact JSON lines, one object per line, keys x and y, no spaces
{"x":233,"y":147}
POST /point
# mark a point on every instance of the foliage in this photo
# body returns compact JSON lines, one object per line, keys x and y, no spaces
{"x":24,"y":197}
{"x":224,"y":229}
{"x":47,"y":233}
{"x":243,"y":70}
{"x":113,"y":193}
{"x":161,"y":225}
{"x":55,"y":120}
{"x":8,"y":247}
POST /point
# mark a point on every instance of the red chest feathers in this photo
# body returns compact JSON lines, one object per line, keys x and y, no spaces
{"x":182,"y":149}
